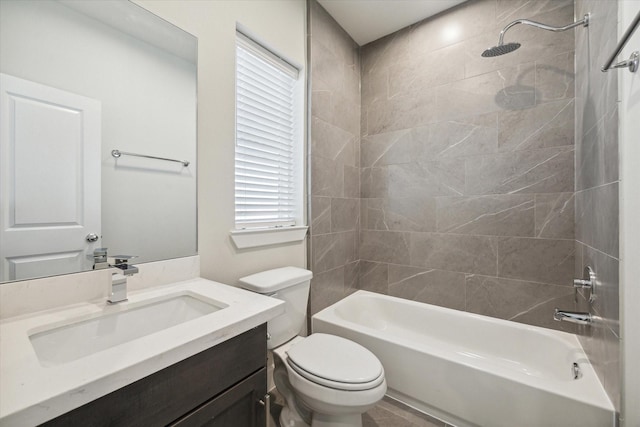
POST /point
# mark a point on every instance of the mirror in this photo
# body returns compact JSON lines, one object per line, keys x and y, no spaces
{"x":80,"y":79}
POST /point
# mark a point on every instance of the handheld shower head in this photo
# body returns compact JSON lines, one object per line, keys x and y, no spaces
{"x":503,"y":48}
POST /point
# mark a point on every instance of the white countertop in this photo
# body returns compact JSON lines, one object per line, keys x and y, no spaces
{"x":31,"y":394}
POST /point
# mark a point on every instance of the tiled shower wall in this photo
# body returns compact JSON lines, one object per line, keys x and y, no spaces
{"x":467,"y":163}
{"x":597,"y":186}
{"x":334,"y":159}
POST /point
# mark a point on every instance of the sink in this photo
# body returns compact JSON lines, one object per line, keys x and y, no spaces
{"x":117,"y":325}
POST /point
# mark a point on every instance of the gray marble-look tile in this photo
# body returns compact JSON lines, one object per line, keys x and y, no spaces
{"x":326,"y":66}
{"x":374,"y":182}
{"x":554,"y":214}
{"x":351,"y":185}
{"x":510,"y":10}
{"x":327,"y":177}
{"x":399,"y":214}
{"x":542,"y":314}
{"x":344,"y":214}
{"x":320,"y":215}
{"x":607,"y":293}
{"x":418,"y":70}
{"x":579,"y":266}
{"x":555,"y":77}
{"x":597,"y":218}
{"x":453,"y":138}
{"x":541,"y":126}
{"x":384,"y":246}
{"x":439,"y":287}
{"x":509,"y":299}
{"x":373,"y":87}
{"x":321,"y":101}
{"x":326,"y":288}
{"x":499,"y":215}
{"x":346,"y":113}
{"x":539,"y":260}
{"x":333,"y":250}
{"x":506,"y":89}
{"x":611,"y":369}
{"x":427,"y":179}
{"x":327,"y":32}
{"x":351,"y":277}
{"x":456,"y":25}
{"x":548,"y":170}
{"x":401,"y":112}
{"x":597,"y":154}
{"x":464,"y":136}
{"x":380,"y":54}
{"x":374,"y":277}
{"x":391,"y":148}
{"x":333,"y":143}
{"x":461,"y":253}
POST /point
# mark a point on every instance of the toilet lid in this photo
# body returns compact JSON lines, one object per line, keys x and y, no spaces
{"x":335,"y":362}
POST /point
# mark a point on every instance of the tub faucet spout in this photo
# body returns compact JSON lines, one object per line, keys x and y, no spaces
{"x":581,"y":318}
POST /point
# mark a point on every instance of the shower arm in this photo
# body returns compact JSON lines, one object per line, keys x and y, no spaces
{"x":584,"y":22}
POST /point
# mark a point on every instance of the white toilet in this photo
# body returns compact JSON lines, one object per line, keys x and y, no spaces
{"x":326,"y":380}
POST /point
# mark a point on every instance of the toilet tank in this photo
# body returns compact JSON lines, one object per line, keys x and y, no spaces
{"x":291,"y":285}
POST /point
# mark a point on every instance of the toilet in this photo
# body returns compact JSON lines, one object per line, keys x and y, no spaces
{"x":326,"y":380}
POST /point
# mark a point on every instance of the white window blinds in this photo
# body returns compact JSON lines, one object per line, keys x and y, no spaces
{"x":265,"y":130}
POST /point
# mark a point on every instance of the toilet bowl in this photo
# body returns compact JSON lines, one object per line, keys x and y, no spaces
{"x":326,"y":380}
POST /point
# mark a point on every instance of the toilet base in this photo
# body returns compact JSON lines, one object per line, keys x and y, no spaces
{"x":348,"y":420}
{"x":289,"y":418}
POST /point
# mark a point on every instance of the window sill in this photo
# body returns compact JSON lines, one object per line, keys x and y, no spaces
{"x":253,"y":238}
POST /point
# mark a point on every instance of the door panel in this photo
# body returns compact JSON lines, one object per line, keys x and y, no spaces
{"x":50,"y":180}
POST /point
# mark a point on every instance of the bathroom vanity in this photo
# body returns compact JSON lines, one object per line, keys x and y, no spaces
{"x":221,"y":386}
{"x":189,"y":353}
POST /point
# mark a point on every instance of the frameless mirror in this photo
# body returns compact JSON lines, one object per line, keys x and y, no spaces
{"x":79,"y":80}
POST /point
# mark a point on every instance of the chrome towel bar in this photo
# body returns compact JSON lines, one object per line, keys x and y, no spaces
{"x":632,"y":62}
{"x":118,"y":153}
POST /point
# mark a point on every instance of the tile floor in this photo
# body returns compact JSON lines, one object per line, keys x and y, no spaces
{"x":387,"y":413}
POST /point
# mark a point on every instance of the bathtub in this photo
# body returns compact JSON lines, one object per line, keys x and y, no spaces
{"x":471,"y":370}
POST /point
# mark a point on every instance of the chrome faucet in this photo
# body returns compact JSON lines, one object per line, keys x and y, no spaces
{"x":581,"y":318}
{"x":119,"y":278}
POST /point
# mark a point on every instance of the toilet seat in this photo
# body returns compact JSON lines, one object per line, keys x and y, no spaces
{"x":335,"y":362}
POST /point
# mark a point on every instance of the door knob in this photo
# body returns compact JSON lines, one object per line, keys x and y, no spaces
{"x":92,"y":237}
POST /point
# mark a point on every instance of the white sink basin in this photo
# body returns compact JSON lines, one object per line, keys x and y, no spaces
{"x":117,"y":325}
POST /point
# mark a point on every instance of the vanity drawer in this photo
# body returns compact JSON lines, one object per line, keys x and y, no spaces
{"x":167,"y":395}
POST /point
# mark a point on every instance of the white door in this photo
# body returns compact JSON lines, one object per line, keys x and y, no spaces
{"x":49,"y":179}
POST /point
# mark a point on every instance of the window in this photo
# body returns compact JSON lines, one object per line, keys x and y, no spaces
{"x":268,"y":153}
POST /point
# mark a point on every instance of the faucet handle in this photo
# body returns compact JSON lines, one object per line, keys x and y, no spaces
{"x":122,"y":262}
{"x":123,"y":259}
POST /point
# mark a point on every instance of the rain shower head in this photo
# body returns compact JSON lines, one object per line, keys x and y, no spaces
{"x":500,"y":49}
{"x":503,"y":48}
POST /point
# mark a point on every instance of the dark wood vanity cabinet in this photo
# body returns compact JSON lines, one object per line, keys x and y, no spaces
{"x":222,"y":387}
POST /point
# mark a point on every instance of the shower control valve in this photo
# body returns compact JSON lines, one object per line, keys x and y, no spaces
{"x":587,"y":282}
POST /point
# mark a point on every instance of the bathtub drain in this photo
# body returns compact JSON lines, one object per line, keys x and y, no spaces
{"x":575,"y":369}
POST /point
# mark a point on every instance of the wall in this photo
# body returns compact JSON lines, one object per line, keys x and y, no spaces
{"x":334,"y":159}
{"x":467,"y":173}
{"x":280,"y":24}
{"x":148,"y":106}
{"x":597,"y":186}
{"x":629,"y":111}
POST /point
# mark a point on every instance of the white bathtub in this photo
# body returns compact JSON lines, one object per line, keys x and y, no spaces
{"x":472,"y":370}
